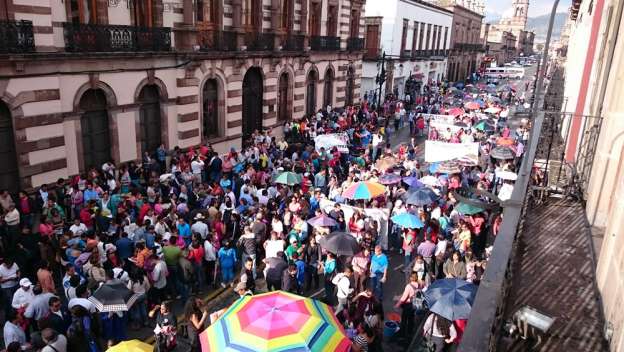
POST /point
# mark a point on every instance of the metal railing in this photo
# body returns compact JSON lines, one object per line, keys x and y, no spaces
{"x":115,"y":38}
{"x":325,"y":43}
{"x":213,"y":40}
{"x":260,"y":41}
{"x":355,"y":44}
{"x":293,"y":42}
{"x":16,"y":37}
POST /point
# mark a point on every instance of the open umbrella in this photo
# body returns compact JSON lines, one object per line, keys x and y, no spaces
{"x":340,"y":243}
{"x":413,"y":182}
{"x":288,"y":178}
{"x":276,"y":321}
{"x":449,"y":167}
{"x":485,"y":126}
{"x":113,"y":298}
{"x":505,"y":142}
{"x":503,"y":153}
{"x":459,"y":85}
{"x":364,"y":190}
{"x":421,"y":196}
{"x":431,"y":181}
{"x":492,"y":110}
{"x":386,"y":163}
{"x":455,"y":111}
{"x":472,"y":105}
{"x":461,"y":124}
{"x":507,"y":175}
{"x":389,"y":179}
{"x":467,"y":209}
{"x":322,"y":220}
{"x":131,"y":346}
{"x":451,"y":298}
{"x":407,"y":220}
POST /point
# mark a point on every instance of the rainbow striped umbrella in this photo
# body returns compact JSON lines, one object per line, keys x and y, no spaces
{"x":275,"y":321}
{"x":364,"y":190}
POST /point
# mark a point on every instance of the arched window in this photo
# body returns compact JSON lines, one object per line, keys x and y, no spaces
{"x":83,"y":11}
{"x":94,"y":124}
{"x":252,"y":101}
{"x":311,"y":92}
{"x":150,"y":119}
{"x":328,"y":88}
{"x":9,"y":172}
{"x":210,"y":109}
{"x":283,"y":106}
{"x":350,"y":86}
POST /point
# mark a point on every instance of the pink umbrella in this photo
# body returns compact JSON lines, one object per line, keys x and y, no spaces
{"x":472,"y":105}
{"x":455,"y":111}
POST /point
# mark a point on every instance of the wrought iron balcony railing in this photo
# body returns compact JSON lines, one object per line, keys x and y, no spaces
{"x":260,"y":41}
{"x":293,"y":42}
{"x":355,"y":44}
{"x":213,"y":40}
{"x":115,"y":38}
{"x":16,"y":37}
{"x":325,"y":43}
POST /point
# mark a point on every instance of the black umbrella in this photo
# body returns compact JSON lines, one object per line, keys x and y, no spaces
{"x":340,"y":243}
{"x":502,"y":153}
{"x":115,"y":297}
{"x":421,"y":196}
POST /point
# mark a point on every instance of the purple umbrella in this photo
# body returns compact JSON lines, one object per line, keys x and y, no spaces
{"x":389,"y":179}
{"x":322,"y":220}
{"x":413,"y":182}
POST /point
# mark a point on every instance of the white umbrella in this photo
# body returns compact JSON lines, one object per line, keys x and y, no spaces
{"x":507,"y":175}
{"x":431,"y":181}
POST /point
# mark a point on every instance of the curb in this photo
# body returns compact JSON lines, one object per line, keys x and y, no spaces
{"x":151,"y":340}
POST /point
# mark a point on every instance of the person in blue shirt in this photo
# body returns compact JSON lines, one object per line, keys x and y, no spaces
{"x":329,"y":269}
{"x":300,"y":272}
{"x":90,"y":194}
{"x":184,"y":230}
{"x":125,"y":246}
{"x":379,"y":270}
{"x":227,"y":262}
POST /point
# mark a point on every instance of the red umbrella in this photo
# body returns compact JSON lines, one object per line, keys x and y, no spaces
{"x":472,"y":105}
{"x":455,"y":111}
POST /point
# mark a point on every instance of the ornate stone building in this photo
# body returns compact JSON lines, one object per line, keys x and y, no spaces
{"x":514,"y":21}
{"x":83,"y":82}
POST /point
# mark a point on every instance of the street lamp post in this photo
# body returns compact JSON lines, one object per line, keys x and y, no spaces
{"x":381,"y":78}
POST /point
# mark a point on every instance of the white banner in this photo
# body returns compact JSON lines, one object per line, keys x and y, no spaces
{"x":441,"y":126}
{"x":330,"y":140}
{"x":442,"y":118}
{"x":436,"y":151}
{"x":380,"y":215}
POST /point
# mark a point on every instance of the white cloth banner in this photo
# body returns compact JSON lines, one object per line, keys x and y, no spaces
{"x":379,"y":215}
{"x":441,"y":126}
{"x":436,"y":151}
{"x":440,"y":118}
{"x":330,"y":140}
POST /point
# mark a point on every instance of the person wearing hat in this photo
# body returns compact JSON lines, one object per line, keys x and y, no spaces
{"x":199,"y":226}
{"x":24,"y":294}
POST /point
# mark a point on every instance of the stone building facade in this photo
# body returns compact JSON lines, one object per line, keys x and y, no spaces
{"x":466,"y":44}
{"x":83,"y":82}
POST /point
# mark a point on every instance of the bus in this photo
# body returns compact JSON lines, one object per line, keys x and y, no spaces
{"x":508,"y":72}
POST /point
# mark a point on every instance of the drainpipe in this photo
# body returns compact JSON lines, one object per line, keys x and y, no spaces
{"x":575,"y":130}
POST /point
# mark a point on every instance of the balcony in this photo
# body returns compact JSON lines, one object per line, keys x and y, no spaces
{"x":406,"y":54}
{"x":260,"y":41}
{"x":212,"y":40}
{"x":114,"y":38}
{"x":16,"y":37}
{"x":355,"y":44}
{"x":293,"y":42}
{"x":325,"y":43}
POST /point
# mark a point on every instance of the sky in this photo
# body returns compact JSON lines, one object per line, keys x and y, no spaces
{"x":536,"y":7}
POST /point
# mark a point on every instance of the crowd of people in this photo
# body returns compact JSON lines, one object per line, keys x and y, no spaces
{"x":183,"y":222}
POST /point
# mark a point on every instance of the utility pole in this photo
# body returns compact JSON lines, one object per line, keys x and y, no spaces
{"x":381,"y":78}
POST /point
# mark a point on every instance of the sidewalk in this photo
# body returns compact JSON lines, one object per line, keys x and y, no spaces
{"x":555,"y":274}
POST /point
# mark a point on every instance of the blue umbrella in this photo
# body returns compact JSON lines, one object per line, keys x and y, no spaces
{"x":480,"y":102}
{"x":389,"y":179}
{"x":413,"y":182}
{"x":407,"y":220}
{"x":459,"y":85}
{"x":433,"y":167}
{"x":451,"y":298}
{"x":421,"y":196}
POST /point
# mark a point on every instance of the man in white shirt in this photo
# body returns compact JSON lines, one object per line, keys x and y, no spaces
{"x":81,"y":300}
{"x":78,"y":228}
{"x":343,"y":286}
{"x":24,"y":295}
{"x":159,"y":277}
{"x":441,"y":246}
{"x":197,"y":166}
{"x":200,"y":226}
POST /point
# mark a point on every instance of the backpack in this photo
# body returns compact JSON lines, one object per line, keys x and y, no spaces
{"x":418,"y":302}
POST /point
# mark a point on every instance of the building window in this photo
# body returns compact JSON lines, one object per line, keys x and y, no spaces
{"x":9,"y":172}
{"x":143,"y":13}
{"x":354,"y":30}
{"x":83,"y":11}
{"x":311,"y":93}
{"x":332,"y":20}
{"x":150,"y":119}
{"x":428,"y":45}
{"x":252,"y":15}
{"x":94,"y":125}
{"x":445,"y":38}
{"x":283,"y":107}
{"x":328,"y":88}
{"x":372,"y":40}
{"x":315,"y":19}
{"x":404,"y":35}
{"x":210,"y":109}
{"x":414,"y":37}
{"x":207,"y":11}
{"x":421,"y":33}
{"x":286,"y":20}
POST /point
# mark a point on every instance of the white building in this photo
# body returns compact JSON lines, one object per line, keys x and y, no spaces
{"x":414,"y":35}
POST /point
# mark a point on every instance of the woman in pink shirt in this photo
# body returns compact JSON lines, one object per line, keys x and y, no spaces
{"x":412,"y":289}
